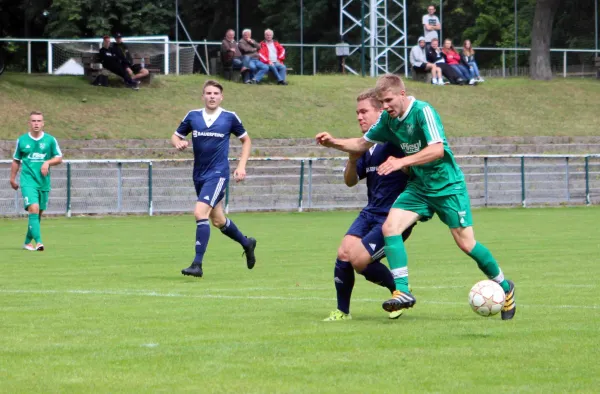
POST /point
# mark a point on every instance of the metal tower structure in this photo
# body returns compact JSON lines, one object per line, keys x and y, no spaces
{"x":384,"y":26}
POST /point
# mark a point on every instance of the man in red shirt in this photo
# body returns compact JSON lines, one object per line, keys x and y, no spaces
{"x":273,"y":54}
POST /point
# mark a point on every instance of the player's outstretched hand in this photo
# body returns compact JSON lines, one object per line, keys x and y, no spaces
{"x":324,"y":139}
{"x":239,"y":174}
{"x":390,"y":165}
{"x":14,"y":184}
{"x":181,"y":145}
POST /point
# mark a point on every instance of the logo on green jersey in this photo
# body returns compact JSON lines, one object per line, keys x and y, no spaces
{"x":42,"y":145}
{"x":36,"y":156}
{"x":410,"y":129}
{"x":411,"y":148}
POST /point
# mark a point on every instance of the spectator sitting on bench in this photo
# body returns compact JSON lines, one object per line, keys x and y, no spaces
{"x":468,"y":57}
{"x":418,"y":59}
{"x":456,"y":62}
{"x":249,"y":47}
{"x":272,"y":53}
{"x":112,"y":63}
{"x":231,"y":56}
{"x":135,"y":71}
{"x":436,"y":56}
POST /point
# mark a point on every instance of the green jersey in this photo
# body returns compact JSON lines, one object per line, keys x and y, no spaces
{"x":419,"y":127}
{"x":32,"y":153}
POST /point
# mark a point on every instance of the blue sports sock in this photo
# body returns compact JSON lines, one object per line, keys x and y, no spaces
{"x":379,"y":274}
{"x":231,"y":230}
{"x":202,"y":236}
{"x":344,"y":283}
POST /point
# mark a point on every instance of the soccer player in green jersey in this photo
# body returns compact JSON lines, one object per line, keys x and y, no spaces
{"x":436,"y":186}
{"x":36,"y":152}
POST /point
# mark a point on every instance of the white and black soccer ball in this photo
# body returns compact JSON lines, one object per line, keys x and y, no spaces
{"x":486,"y":298}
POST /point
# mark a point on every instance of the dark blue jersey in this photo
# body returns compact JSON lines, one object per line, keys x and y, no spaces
{"x":382,"y":190}
{"x":210,"y":140}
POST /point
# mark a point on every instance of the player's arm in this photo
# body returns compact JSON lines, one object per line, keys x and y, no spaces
{"x":240,"y":172}
{"x":178,"y":138}
{"x":14,"y":170}
{"x":349,"y":145}
{"x":55,"y":160}
{"x":351,"y":172}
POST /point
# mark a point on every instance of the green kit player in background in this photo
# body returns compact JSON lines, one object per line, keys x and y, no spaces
{"x":36,"y":152}
{"x":436,"y":186}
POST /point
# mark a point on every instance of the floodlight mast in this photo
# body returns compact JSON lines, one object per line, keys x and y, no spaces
{"x":382,"y":26}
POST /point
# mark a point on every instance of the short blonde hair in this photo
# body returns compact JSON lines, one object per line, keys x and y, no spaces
{"x":389,"y":82}
{"x":36,"y":113}
{"x":370,"y":95}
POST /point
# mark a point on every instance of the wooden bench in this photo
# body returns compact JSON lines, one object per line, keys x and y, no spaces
{"x":597,"y":64}
{"x":421,"y":76}
{"x":92,"y":66}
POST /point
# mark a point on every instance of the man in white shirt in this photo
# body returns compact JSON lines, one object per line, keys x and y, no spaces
{"x":431,"y":25}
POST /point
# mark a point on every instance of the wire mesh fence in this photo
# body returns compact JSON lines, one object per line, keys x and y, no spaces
{"x":165,"y":186}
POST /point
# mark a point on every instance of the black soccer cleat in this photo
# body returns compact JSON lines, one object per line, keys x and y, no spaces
{"x":249,"y":253}
{"x":399,"y":301}
{"x":510,"y":306}
{"x":193,"y":270}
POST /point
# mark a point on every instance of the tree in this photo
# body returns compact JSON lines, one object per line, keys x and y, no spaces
{"x":541,"y":33}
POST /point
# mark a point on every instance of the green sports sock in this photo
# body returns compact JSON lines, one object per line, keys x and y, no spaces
{"x":28,"y":237}
{"x":397,"y":260}
{"x":488,"y":265}
{"x":34,"y":227}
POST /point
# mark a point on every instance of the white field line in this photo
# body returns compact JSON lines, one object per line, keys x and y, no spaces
{"x":146,"y":293}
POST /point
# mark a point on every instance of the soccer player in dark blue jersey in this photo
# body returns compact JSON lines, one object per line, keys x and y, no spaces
{"x":211,"y":128}
{"x":362,"y":246}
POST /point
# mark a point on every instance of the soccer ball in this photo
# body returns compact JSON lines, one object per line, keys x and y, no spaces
{"x":486,"y":298}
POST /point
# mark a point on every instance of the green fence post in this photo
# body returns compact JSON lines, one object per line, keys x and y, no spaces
{"x":587,"y":181}
{"x":301,"y":186}
{"x":150,"y":189}
{"x":523,"y":194}
{"x":68,"y":189}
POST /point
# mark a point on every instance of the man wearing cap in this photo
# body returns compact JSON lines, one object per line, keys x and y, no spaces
{"x":112,"y":63}
{"x":135,"y":71}
{"x":418,"y":59}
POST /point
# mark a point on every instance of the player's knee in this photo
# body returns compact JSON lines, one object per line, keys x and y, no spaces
{"x":390,"y":228}
{"x":466,"y":244}
{"x":33,"y":208}
{"x":218,"y":222}
{"x":344,"y":254}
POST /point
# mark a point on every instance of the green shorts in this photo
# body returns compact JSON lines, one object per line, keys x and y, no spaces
{"x":454,"y":210}
{"x":32,"y":195}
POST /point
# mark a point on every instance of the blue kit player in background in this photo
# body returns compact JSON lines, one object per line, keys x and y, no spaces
{"x":211,"y":128}
{"x":362,"y":246}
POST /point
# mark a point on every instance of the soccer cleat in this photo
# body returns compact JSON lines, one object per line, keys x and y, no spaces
{"x":396,"y":314}
{"x":338,"y":315}
{"x":28,"y":246}
{"x":39,"y":247}
{"x":399,"y":300}
{"x":510,"y":306}
{"x":193,"y":270}
{"x":249,"y":252}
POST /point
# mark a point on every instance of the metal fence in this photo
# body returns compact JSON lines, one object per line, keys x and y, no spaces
{"x":37,"y":54}
{"x":164,"y":186}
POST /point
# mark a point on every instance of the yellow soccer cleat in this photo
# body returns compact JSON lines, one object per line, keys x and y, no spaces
{"x":338,"y":315}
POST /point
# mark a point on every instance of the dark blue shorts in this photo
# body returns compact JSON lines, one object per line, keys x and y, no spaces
{"x":367,"y":227}
{"x":211,"y":191}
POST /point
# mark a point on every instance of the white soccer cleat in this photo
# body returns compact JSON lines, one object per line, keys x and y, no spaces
{"x":28,"y":246}
{"x":39,"y":247}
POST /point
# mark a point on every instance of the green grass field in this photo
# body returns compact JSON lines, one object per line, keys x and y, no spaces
{"x":499,"y":107}
{"x":105,"y":309}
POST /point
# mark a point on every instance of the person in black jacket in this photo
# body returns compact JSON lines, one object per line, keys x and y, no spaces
{"x":435,"y":55}
{"x":135,"y":71}
{"x":112,"y":63}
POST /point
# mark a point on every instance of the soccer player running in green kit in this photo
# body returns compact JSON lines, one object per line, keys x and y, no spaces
{"x":436,"y":185}
{"x":36,"y":151}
